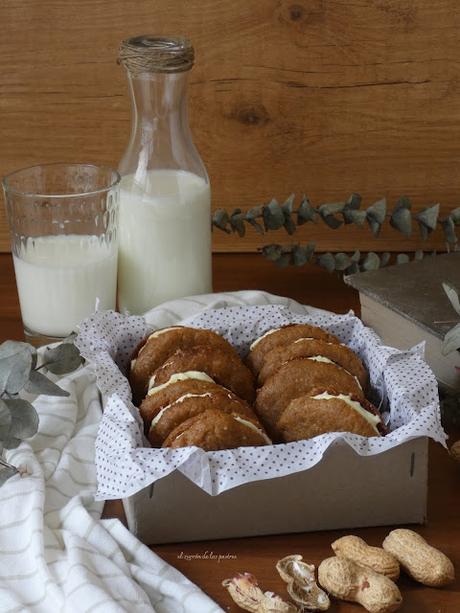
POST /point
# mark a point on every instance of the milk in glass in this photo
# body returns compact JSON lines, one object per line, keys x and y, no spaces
{"x":62,"y":279}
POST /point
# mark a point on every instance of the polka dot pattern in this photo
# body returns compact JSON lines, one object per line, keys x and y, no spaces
{"x":403,"y":386}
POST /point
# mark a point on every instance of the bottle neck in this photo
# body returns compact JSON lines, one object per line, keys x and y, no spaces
{"x":160,"y":132}
{"x":158,"y":97}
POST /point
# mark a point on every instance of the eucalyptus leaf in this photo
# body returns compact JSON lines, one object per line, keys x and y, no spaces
{"x":5,"y":420}
{"x":287,"y":212}
{"x":376,"y":214}
{"x":305,"y":212}
{"x":290,"y":226}
{"x":288,"y":204}
{"x":11,"y":348}
{"x":342,"y":261}
{"x":299,"y":255}
{"x":356,"y":217}
{"x":221,"y":220}
{"x":310,"y":249}
{"x":353,"y":202}
{"x":428,"y":218}
{"x":374,"y":226}
{"x":455,"y":215}
{"x":377,"y":211}
{"x":328,"y":212}
{"x":403,"y":203}
{"x":356,"y":256}
{"x":384,"y":259}
{"x":327,"y":261}
{"x":273,"y":216}
{"x":453,"y":295}
{"x":15,"y":371}
{"x":331,"y":209}
{"x":237,"y":222}
{"x":24,"y":418}
{"x":255,"y":212}
{"x":451,"y":340}
{"x":401,"y":219}
{"x":332,"y":222}
{"x":402,"y":258}
{"x":6,"y":472}
{"x":272,"y":252}
{"x":40,"y":384}
{"x":62,"y":359}
{"x":371,"y":261}
{"x":448,"y":227}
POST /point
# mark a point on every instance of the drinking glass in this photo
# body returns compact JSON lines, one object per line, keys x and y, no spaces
{"x":63,"y":221}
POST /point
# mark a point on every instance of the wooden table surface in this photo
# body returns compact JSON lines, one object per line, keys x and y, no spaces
{"x":200,"y":561}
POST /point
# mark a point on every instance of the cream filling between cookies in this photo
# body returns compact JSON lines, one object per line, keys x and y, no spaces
{"x":252,"y":426}
{"x":178,"y":401}
{"x":310,"y":338}
{"x":322,"y":358}
{"x":181,"y":376}
{"x":372,"y":419}
{"x":156,"y":334}
{"x":257,"y":341}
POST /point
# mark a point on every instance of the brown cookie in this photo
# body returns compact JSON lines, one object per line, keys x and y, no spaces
{"x":311,"y":348}
{"x":214,"y":430}
{"x":320,"y":411}
{"x":296,"y":378}
{"x":224,"y":368}
{"x":190,"y":403}
{"x":283,"y":336}
{"x":160,"y":345}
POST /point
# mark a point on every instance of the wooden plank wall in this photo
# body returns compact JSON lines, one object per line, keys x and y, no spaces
{"x":318,"y":96}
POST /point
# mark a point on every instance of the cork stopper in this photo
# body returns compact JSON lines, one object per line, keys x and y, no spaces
{"x":149,"y":53}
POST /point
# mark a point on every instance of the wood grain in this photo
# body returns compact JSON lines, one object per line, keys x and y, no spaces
{"x":286,"y":96}
{"x":258,"y":555}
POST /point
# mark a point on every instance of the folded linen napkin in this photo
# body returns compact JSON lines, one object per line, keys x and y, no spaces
{"x":56,"y":554}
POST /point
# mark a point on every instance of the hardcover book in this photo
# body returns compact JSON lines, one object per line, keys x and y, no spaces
{"x":406,"y":304}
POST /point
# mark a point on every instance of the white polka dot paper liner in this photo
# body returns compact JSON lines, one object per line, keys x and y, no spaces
{"x":403,"y":386}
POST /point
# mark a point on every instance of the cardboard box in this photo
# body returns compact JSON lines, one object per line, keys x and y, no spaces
{"x":344,"y":490}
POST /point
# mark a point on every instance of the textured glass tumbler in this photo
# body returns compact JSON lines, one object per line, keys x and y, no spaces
{"x":63,"y":221}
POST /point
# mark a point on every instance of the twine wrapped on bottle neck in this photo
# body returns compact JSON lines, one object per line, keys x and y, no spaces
{"x":146,"y":53}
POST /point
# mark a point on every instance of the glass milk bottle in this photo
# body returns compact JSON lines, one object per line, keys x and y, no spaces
{"x":165,"y":198}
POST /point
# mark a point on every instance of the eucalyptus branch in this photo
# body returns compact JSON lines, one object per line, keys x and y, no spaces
{"x":274,"y":216}
{"x":346,"y":263}
{"x":18,"y":372}
{"x":452,"y":338}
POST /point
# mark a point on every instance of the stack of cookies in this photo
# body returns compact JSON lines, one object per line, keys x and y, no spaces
{"x":309,"y":384}
{"x":193,"y":389}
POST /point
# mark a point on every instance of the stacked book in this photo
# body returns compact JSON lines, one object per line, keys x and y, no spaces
{"x":406,"y":304}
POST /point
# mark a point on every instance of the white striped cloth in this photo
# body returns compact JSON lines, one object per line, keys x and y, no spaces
{"x":56,"y":554}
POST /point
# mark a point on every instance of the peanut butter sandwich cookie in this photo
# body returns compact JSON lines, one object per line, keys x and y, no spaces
{"x":297,"y":378}
{"x":160,"y":345}
{"x":281,"y":337}
{"x":213,"y":430}
{"x":322,"y":411}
